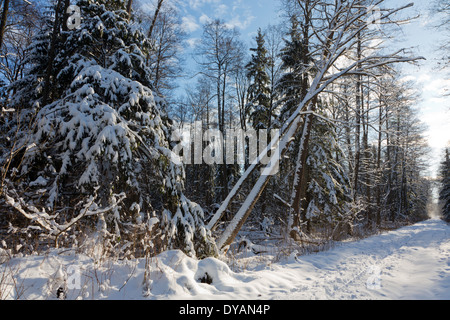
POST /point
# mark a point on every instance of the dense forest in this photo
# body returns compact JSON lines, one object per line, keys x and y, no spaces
{"x":310,"y":135}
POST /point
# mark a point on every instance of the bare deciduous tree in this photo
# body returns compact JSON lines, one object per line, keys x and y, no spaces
{"x":218,"y":56}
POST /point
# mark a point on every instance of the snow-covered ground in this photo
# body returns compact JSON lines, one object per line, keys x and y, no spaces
{"x":409,"y":263}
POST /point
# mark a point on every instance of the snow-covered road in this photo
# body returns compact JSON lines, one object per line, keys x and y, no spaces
{"x":409,"y":263}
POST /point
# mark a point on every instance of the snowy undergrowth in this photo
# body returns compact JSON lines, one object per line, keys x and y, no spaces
{"x":172,"y":274}
{"x":410,"y":263}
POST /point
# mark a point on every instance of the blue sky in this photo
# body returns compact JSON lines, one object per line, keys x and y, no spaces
{"x":245,"y":15}
{"x":249,"y":15}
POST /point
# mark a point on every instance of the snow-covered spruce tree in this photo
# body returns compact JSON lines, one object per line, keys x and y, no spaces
{"x":258,"y":107}
{"x":99,"y":157}
{"x":292,"y":85}
{"x":444,"y":194}
{"x":329,"y":200}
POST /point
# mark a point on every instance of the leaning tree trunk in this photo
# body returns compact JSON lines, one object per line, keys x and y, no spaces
{"x":244,"y":212}
{"x":298,"y":202}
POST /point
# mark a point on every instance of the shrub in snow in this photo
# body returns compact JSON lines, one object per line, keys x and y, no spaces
{"x":99,"y":152}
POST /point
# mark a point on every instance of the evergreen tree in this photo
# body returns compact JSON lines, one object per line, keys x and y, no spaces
{"x":258,"y":107}
{"x":101,"y":144}
{"x":328,"y":196}
{"x":290,"y":88}
{"x":444,"y":195}
{"x":259,"y":96}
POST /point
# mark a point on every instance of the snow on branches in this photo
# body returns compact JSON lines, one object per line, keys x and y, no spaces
{"x":101,"y":145}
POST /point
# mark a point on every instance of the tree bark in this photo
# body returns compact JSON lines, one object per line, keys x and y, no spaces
{"x":301,"y":179}
{"x":358,"y":121}
{"x":51,"y":54}
{"x":379,"y":173}
{"x":129,"y":4}
{"x":3,"y":21}
{"x":65,"y":15}
{"x":155,"y":17}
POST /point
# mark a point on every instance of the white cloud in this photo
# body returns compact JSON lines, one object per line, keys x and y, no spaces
{"x":221,"y":10}
{"x":189,"y":24}
{"x":240,"y":23}
{"x":437,"y":86}
{"x":149,"y":6}
{"x":192,"y":42}
{"x":196,"y":4}
{"x":236,"y":13}
{"x":237,"y":4}
{"x":204,"y":19}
